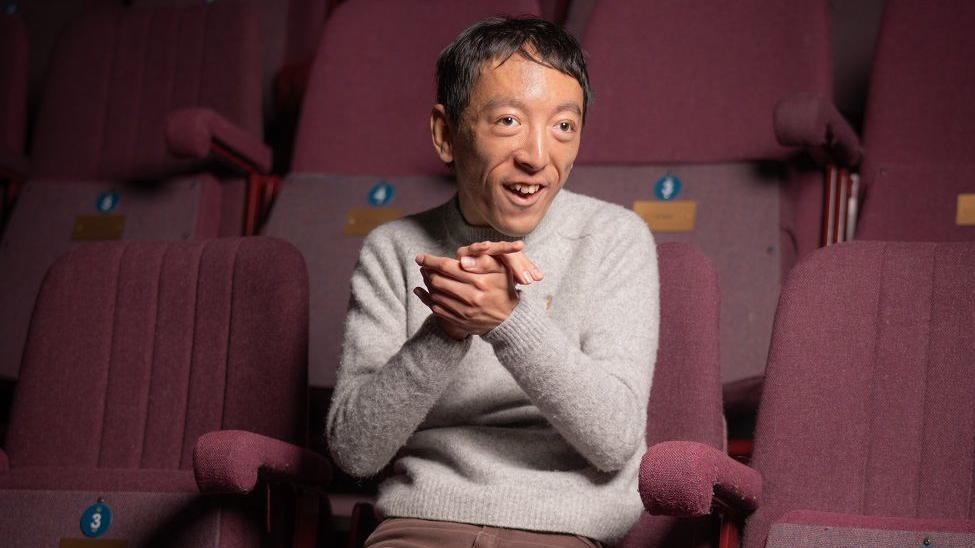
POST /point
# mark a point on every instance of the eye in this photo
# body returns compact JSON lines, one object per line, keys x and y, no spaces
{"x":508,"y":121}
{"x":566,"y":126}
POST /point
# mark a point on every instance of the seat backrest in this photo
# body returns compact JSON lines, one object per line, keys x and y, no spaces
{"x":685,"y":398}
{"x":13,"y":92}
{"x":367,"y":106}
{"x":679,"y":81}
{"x":117,"y":73}
{"x":137,"y":348}
{"x":920,"y":123}
{"x":869,"y":401}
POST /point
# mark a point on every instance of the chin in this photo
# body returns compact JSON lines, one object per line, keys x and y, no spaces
{"x":518,"y":228}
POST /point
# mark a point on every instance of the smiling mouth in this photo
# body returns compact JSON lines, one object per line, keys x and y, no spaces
{"x":522,"y":189}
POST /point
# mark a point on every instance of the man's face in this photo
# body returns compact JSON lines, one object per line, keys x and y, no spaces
{"x":518,"y":139}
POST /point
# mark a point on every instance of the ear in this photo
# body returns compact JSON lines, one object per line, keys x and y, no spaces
{"x":443,"y":139}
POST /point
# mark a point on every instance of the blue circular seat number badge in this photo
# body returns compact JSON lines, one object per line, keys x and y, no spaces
{"x":96,"y":520}
{"x":667,"y":187}
{"x":107,"y":201}
{"x":381,"y":194}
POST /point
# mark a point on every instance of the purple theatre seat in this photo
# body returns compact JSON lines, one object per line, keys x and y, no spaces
{"x":867,"y":419}
{"x":363,"y":152}
{"x":685,"y":398}
{"x":920,"y":125}
{"x":136,"y":351}
{"x":100,"y":164}
{"x":685,"y":94}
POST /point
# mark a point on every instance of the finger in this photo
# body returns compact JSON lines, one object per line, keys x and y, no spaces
{"x":440,"y":306}
{"x":490,"y":248}
{"x":524,"y":271}
{"x":444,"y":265}
{"x":481,"y":264}
{"x":438,"y":283}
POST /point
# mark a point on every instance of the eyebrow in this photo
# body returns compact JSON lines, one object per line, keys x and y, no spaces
{"x":570,"y":106}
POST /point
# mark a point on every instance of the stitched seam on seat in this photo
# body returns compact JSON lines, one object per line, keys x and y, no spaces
{"x":111,"y":352}
{"x":230,"y":333}
{"x":152,"y":359}
{"x":927,"y":386}
{"x":189,"y":375}
{"x":873,"y":378}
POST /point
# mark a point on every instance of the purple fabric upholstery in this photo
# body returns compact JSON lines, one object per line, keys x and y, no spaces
{"x":920,"y":123}
{"x":681,"y":478}
{"x":290,"y":30}
{"x":191,"y":131}
{"x":698,"y":81}
{"x":4,"y":461}
{"x":803,"y":529}
{"x":230,"y":461}
{"x":919,"y":104}
{"x":13,"y":92}
{"x":41,"y":226}
{"x":868,"y":401}
{"x":685,"y":400}
{"x":116,"y":74}
{"x":367,"y":107}
{"x":916,"y":201}
{"x":808,"y":120}
{"x":165,"y":342}
{"x":137,"y":349}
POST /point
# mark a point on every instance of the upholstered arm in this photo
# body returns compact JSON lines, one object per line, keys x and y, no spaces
{"x":684,"y":478}
{"x":231,"y":461}
{"x":200,"y":132}
{"x":810,"y":121}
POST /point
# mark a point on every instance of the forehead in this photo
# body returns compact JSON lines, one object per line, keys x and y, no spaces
{"x":525,"y":80}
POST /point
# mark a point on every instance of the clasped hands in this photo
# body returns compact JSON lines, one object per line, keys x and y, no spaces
{"x":473,"y":293}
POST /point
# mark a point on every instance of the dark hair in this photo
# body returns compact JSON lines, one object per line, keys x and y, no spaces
{"x":536,"y":39}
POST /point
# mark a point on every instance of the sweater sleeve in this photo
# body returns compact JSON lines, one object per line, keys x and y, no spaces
{"x":594,"y":392}
{"x":387,"y":381}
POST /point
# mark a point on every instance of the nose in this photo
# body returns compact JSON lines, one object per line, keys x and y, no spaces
{"x":532,"y":153}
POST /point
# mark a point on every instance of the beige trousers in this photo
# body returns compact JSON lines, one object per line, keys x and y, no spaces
{"x":422,"y":533}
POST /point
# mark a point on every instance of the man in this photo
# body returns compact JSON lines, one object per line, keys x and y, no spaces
{"x":512,"y":416}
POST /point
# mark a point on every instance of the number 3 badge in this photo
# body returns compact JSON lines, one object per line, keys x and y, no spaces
{"x":96,"y":520}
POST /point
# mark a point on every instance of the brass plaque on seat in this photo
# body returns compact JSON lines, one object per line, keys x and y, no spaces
{"x":966,"y":210}
{"x":672,"y":216}
{"x":92,"y":543}
{"x":98,"y":227}
{"x":360,"y":220}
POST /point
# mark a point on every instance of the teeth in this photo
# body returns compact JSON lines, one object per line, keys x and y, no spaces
{"x":525,"y":189}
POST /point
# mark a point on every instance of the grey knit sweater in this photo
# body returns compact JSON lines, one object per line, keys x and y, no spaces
{"x":540,"y":423}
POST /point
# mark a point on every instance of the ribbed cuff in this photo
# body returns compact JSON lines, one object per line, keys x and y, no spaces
{"x":521,"y":335}
{"x":434,"y":350}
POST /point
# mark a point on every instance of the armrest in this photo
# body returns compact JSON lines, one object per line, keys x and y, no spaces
{"x":684,"y":478}
{"x":809,"y":121}
{"x":200,"y":132}
{"x":230,"y":461}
